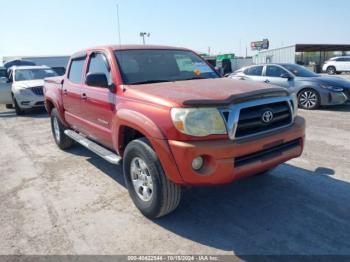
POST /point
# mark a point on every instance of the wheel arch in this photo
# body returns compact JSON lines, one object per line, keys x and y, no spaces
{"x":131,"y":121}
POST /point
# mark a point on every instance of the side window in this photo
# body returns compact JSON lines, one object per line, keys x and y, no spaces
{"x":76,"y":70}
{"x":274,"y":71}
{"x":98,"y":64}
{"x":254,"y":71}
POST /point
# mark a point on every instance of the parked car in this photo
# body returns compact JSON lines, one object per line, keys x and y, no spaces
{"x":18,"y":62}
{"x":3,"y":72}
{"x":337,"y":65}
{"x":172,"y":119}
{"x":312,"y":90}
{"x":24,"y":87}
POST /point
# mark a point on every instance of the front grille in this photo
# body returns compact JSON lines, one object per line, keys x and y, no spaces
{"x":251,"y":122}
{"x":266,"y":154}
{"x":38,"y":90}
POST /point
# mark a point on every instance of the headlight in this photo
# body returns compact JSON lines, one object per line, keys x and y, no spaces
{"x":25,"y":92}
{"x":198,"y":121}
{"x":332,"y":88}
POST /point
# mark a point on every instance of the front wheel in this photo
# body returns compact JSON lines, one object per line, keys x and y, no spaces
{"x":149,"y":188}
{"x":331,"y":70}
{"x":309,"y":99}
{"x":19,"y":111}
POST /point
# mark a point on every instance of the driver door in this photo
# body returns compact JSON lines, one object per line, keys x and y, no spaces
{"x":273,"y":75}
{"x":5,"y":90}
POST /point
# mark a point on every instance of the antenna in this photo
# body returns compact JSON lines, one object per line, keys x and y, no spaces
{"x":120,"y":39}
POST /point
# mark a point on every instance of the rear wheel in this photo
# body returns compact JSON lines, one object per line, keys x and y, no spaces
{"x":62,"y":141}
{"x":331,"y":70}
{"x":149,"y":188}
{"x":309,"y":99}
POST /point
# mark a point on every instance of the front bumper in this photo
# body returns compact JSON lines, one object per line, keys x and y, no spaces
{"x":221,"y":157}
{"x":336,"y":98}
{"x":29,"y":101}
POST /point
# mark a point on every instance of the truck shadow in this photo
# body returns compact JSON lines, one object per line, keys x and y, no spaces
{"x":290,"y":210}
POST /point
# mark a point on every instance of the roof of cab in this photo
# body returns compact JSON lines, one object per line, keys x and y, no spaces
{"x":126,"y":47}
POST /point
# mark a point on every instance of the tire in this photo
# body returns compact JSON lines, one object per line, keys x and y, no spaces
{"x":331,"y":70}
{"x":309,"y":99}
{"x":149,"y":188}
{"x":9,"y":106}
{"x":62,"y":141}
{"x":19,"y":111}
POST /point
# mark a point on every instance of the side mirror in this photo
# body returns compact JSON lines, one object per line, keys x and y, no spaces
{"x":287,"y":76}
{"x":97,"y":80}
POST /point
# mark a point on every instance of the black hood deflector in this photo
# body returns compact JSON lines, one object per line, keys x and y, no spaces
{"x":240,"y":98}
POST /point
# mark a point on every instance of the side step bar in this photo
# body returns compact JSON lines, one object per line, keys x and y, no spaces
{"x":92,"y":146}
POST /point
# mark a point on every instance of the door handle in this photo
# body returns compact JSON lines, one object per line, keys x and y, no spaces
{"x":267,"y":81}
{"x":83,"y":96}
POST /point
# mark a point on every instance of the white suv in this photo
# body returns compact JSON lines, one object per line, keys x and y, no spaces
{"x":24,"y":87}
{"x":337,"y":65}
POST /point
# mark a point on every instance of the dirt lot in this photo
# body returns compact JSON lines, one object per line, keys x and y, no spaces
{"x":55,"y":202}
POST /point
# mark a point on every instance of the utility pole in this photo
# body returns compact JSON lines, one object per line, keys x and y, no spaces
{"x":144,"y":35}
{"x":119,"y":37}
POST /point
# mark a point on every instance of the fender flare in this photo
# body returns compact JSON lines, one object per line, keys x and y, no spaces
{"x":138,"y":121}
{"x":144,"y":125}
{"x":59,"y":109}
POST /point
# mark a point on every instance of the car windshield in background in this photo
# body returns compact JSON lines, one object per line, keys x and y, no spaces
{"x":300,"y":71}
{"x":33,"y":74}
{"x":152,"y":66}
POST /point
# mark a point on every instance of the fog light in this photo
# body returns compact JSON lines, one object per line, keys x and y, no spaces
{"x":197,"y":163}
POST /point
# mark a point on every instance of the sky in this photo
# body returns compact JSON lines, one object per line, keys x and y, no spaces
{"x":61,"y":27}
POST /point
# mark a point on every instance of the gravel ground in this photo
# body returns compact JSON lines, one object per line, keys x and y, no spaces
{"x":56,"y":202}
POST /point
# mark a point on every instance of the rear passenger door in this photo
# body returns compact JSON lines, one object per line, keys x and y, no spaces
{"x":98,"y":103}
{"x":71,"y":93}
{"x":254,"y":73}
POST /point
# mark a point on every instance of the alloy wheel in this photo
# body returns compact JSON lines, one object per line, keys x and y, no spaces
{"x":141,"y":179}
{"x":56,"y":129}
{"x":308,"y":99}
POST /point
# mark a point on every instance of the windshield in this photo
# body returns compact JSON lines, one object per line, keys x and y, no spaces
{"x":300,"y":71}
{"x":33,"y":74}
{"x":151,"y":66}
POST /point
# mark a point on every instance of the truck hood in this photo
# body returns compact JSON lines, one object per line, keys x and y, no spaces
{"x":210,"y":92}
{"x":29,"y":84}
{"x":328,"y":80}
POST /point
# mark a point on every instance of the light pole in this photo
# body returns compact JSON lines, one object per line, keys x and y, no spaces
{"x":143,"y":35}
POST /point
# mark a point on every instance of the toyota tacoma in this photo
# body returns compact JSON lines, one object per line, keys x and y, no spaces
{"x":171,"y":120}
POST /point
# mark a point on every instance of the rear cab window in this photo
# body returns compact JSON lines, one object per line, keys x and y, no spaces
{"x":75,"y":73}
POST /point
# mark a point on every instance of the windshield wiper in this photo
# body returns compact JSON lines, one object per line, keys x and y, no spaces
{"x":150,"y":82}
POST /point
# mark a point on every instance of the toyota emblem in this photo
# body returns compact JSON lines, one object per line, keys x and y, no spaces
{"x":267,"y":117}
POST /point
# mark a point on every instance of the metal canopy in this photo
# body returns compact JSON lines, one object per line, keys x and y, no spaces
{"x":320,"y":47}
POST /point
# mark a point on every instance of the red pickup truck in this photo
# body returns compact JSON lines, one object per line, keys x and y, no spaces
{"x":172,"y":119}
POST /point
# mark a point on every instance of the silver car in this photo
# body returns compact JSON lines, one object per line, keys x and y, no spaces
{"x":312,"y":90}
